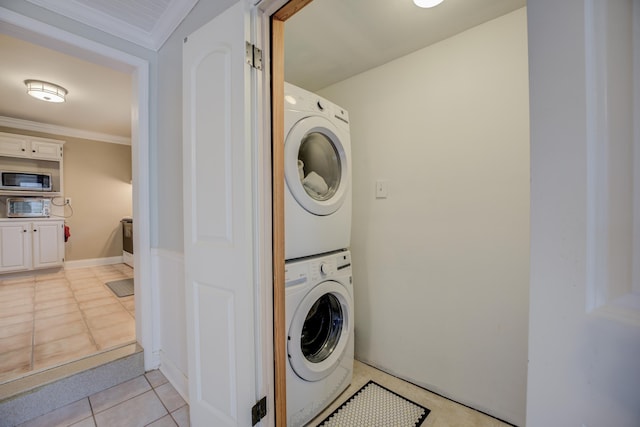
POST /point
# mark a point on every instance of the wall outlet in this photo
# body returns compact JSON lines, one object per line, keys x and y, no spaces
{"x":67,"y":201}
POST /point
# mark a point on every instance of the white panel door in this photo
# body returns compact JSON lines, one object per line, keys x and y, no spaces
{"x":584,"y":330}
{"x":218,"y":212}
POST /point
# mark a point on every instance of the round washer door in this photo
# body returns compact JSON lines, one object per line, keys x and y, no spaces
{"x":316,"y":168}
{"x":320,"y":330}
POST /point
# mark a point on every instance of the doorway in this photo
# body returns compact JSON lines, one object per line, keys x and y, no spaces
{"x":57,"y":39}
{"x":375,"y":97}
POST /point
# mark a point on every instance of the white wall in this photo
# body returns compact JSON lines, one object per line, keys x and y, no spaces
{"x":441,"y":267}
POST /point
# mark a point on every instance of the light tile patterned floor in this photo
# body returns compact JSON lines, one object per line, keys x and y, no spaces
{"x":148,"y":400}
{"x":49,"y":319}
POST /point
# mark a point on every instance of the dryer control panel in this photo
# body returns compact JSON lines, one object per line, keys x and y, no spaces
{"x":298,"y":99}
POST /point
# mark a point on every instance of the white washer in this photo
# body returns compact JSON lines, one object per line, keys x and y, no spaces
{"x":317,"y":169}
{"x":319,"y":319}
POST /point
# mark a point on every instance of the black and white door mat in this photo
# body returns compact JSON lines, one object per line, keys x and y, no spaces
{"x":122,"y":288}
{"x":376,"y":406}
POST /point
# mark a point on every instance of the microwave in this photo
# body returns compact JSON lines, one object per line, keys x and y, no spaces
{"x":28,"y":207}
{"x":29,"y":181}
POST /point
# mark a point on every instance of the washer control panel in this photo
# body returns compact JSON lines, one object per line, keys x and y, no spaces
{"x":301,"y":271}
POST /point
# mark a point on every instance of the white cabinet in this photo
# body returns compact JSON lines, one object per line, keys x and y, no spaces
{"x":13,"y":145}
{"x":42,"y":149}
{"x":32,"y":154}
{"x":30,"y":147}
{"x":28,"y":245}
{"x":15,"y":246}
{"x":48,"y":244}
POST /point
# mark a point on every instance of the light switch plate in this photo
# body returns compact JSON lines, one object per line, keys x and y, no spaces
{"x":382,"y":189}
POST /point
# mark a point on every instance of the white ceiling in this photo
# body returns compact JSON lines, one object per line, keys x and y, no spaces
{"x":99,"y":98}
{"x":331,"y":40}
{"x":326,"y":42}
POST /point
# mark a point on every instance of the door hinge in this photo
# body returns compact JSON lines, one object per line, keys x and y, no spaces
{"x":259,"y":411}
{"x":254,"y":56}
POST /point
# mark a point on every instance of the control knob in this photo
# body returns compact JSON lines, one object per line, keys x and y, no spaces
{"x":327,"y":268}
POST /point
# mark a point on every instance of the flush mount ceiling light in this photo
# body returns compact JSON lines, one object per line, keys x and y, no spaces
{"x":427,"y":3}
{"x":45,"y":91}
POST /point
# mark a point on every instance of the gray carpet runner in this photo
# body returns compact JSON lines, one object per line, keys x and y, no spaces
{"x":122,"y":288}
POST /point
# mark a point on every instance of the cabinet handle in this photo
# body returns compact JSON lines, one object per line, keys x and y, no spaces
{"x":23,"y":149}
{"x":35,"y":229}
{"x":33,"y":151}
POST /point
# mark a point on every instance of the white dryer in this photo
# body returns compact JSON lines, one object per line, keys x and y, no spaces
{"x":317,"y":169}
{"x":319,"y":319}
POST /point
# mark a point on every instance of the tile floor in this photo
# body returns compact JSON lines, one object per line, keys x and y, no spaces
{"x":444,"y":412}
{"x":53,"y":318}
{"x":148,"y":400}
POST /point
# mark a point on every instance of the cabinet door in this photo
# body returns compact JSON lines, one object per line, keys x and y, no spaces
{"x":45,"y":150}
{"x":15,"y":246}
{"x":48,"y":244}
{"x":13,"y":145}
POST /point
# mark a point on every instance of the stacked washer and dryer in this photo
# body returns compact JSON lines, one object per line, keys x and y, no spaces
{"x":318,"y":281}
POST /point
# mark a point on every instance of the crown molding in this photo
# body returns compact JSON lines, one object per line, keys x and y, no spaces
{"x":153,"y":39}
{"x":172,"y":17}
{"x":63,"y":131}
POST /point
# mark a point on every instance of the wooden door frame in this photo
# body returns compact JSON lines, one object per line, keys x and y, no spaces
{"x":278,"y":187}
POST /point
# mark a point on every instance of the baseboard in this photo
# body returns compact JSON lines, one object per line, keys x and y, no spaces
{"x":92,"y":262}
{"x":178,"y":380}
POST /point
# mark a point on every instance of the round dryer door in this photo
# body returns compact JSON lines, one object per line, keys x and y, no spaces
{"x":316,"y":167}
{"x":319,"y":331}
